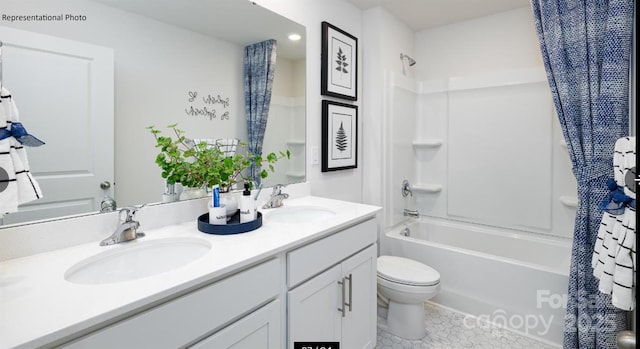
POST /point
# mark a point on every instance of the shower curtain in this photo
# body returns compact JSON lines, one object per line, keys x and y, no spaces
{"x":586,"y":46}
{"x":259,"y":69}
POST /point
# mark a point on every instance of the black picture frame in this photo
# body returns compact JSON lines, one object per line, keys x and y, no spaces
{"x":339,"y":136}
{"x":339,"y":67}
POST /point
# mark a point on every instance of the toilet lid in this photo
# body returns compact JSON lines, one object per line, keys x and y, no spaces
{"x":407,"y":271}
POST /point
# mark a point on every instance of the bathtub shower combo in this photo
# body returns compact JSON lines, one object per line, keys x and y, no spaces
{"x":511,"y":280}
{"x":491,"y":180}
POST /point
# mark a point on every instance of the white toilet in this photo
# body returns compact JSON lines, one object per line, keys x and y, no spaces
{"x":406,"y":284}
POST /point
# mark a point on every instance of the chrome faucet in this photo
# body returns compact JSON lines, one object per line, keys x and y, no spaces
{"x":406,"y":189}
{"x":127,"y":227}
{"x":276,"y":197}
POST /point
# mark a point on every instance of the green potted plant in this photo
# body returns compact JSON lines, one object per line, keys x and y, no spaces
{"x":203,"y":166}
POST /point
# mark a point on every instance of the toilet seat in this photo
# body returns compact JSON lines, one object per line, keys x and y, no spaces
{"x":405,"y":271}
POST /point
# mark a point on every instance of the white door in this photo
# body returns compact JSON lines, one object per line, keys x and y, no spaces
{"x":64,"y":93}
{"x":313,"y":309}
{"x":359,"y":324}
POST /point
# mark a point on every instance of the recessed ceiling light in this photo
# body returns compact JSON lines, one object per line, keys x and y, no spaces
{"x":294,"y":37}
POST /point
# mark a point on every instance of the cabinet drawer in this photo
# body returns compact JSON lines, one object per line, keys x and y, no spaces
{"x":312,"y":259}
{"x":260,"y":329}
{"x":186,"y":318}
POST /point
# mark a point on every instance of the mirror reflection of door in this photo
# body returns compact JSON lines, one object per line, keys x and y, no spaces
{"x":73,"y":84}
{"x":161,"y":53}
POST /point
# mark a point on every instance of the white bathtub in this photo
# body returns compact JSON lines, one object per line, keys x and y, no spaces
{"x":512,"y":279}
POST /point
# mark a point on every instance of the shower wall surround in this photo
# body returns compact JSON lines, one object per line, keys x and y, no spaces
{"x":486,"y":149}
{"x":286,"y":118}
{"x":476,"y":116}
{"x":510,"y":163}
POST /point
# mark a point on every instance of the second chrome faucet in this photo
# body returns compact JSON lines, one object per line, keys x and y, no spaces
{"x":127,"y":227}
{"x":276,"y":197}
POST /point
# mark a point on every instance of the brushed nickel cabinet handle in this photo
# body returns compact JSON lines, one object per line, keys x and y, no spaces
{"x":350,"y":304}
{"x":343,"y":310}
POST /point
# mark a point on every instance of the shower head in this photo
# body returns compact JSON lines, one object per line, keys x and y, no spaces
{"x":411,"y":61}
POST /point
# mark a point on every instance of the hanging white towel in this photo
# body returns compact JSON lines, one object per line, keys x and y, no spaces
{"x":8,"y":183}
{"x":623,"y":293}
{"x":606,"y":231}
{"x":17,"y":185}
{"x":613,"y":259}
{"x":606,"y":263}
{"x":624,"y":275}
{"x":227,"y":145}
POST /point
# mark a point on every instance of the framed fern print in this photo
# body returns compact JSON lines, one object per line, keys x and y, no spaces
{"x":339,"y":136}
{"x":339,"y":63}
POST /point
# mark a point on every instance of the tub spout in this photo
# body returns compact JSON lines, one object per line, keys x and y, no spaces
{"x":411,"y":213}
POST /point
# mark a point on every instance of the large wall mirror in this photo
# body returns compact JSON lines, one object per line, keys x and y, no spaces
{"x":92,"y":75}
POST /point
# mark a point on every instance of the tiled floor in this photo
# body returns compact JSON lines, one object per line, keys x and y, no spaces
{"x":446,"y":330}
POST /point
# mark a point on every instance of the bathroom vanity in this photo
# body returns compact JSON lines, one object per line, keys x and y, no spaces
{"x":308,"y":274}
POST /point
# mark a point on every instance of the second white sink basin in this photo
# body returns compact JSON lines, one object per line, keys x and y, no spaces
{"x":137,"y":259}
{"x":299,"y":214}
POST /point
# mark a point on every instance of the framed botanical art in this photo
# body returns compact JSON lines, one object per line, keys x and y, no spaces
{"x":339,"y":136}
{"x":339,"y":63}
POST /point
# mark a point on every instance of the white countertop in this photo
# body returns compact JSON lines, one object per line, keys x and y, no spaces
{"x":38,"y":306}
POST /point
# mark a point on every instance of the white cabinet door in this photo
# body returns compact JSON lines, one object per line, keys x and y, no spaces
{"x":313,"y":309}
{"x":314,"y":306}
{"x":258,"y":330}
{"x":75,"y":121}
{"x":359,"y":324}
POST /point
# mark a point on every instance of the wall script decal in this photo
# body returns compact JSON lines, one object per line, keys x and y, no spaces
{"x":207,"y":106}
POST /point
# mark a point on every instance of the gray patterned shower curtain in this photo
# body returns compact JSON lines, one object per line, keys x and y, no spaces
{"x":259,"y":70}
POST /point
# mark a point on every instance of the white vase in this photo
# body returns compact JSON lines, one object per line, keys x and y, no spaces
{"x":231,"y":203}
{"x":192,"y":193}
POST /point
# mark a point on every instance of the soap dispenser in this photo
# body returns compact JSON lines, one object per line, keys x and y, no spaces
{"x":247,"y":212}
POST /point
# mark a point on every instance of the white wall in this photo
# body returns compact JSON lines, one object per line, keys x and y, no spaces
{"x":209,"y":69}
{"x":491,"y":48}
{"x":346,"y":184}
{"x":146,"y":91}
{"x":503,"y":41}
{"x":384,"y":38}
{"x":286,"y":122}
{"x":299,"y":84}
{"x":284,"y":77}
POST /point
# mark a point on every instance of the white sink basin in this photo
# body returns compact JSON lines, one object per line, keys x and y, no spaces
{"x":299,"y":214}
{"x":137,"y":259}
